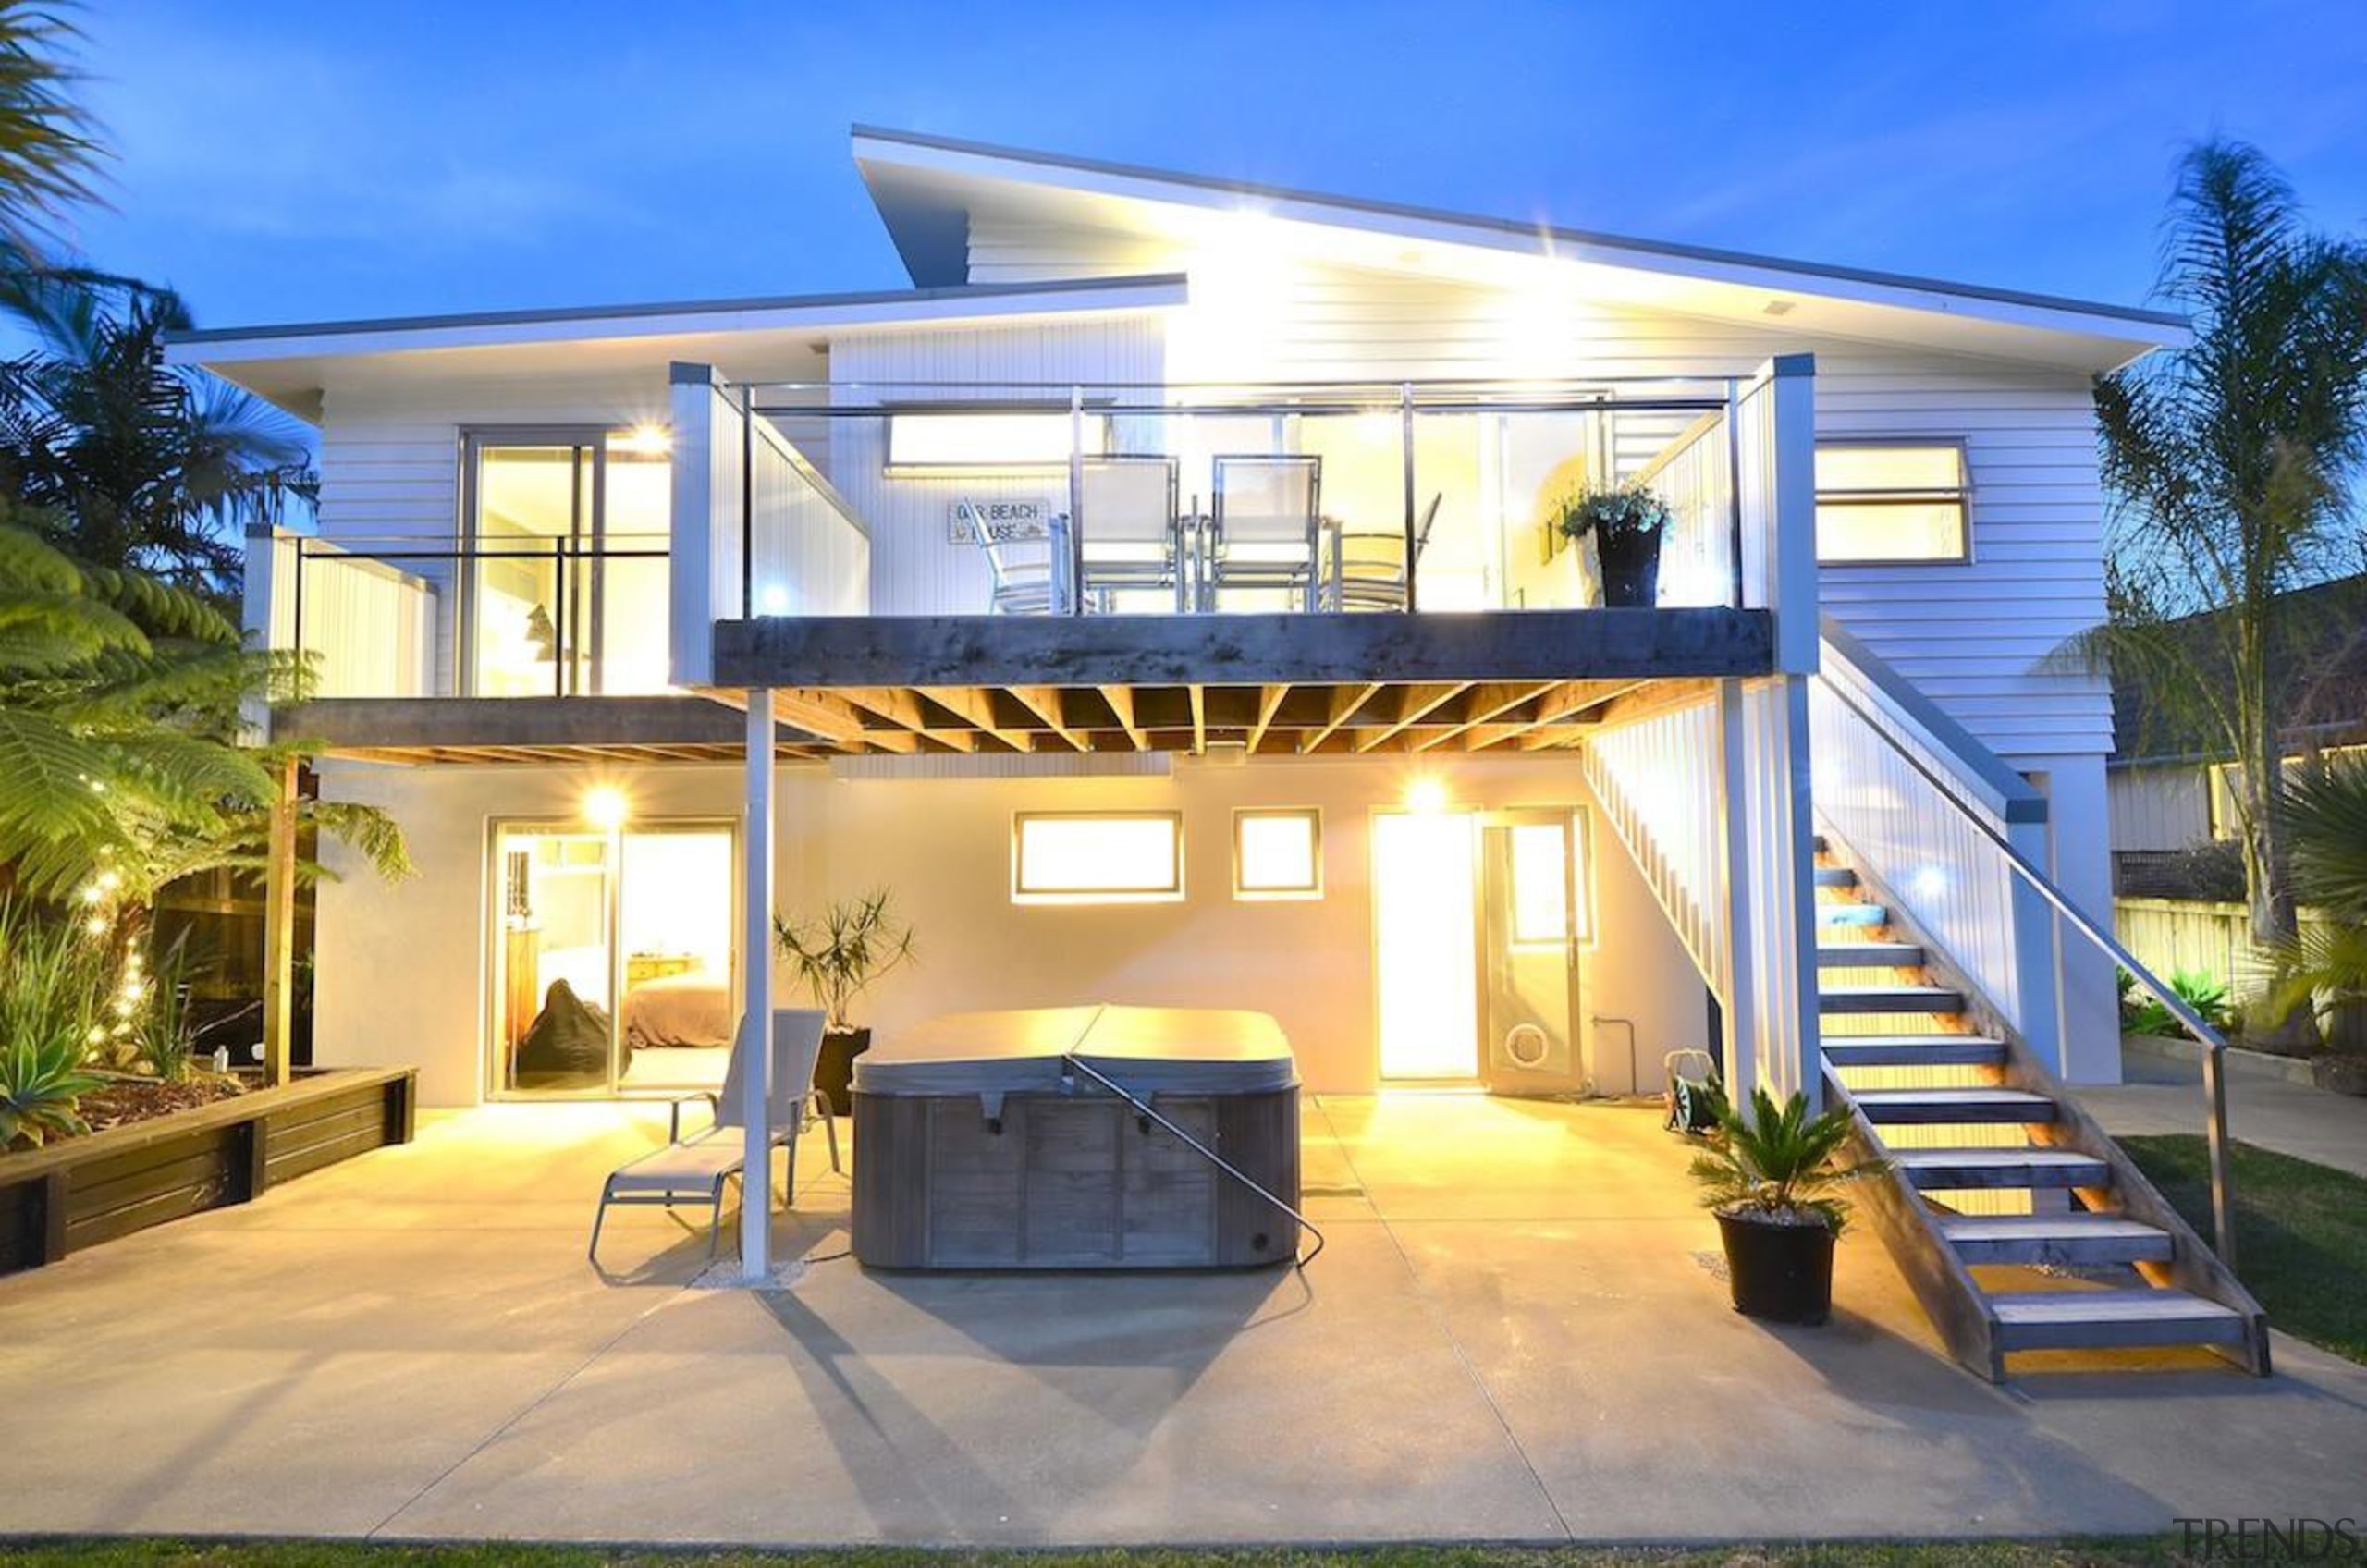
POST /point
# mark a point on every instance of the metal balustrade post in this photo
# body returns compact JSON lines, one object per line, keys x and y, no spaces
{"x":1413,"y":543}
{"x":2215,"y":1096}
{"x":1076,"y":503}
{"x":560,"y":608}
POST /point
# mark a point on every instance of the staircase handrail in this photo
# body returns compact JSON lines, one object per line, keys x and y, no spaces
{"x":2214,"y":1087}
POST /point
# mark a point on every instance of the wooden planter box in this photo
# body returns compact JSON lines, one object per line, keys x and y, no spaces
{"x":79,"y":1191}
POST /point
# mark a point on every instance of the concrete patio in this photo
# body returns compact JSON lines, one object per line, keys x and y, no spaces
{"x":1513,"y":1335}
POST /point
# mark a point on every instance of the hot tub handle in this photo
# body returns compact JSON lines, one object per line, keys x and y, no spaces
{"x":1145,"y":1113}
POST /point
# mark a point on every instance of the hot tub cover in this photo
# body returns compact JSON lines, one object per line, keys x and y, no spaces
{"x":1150,"y":1050}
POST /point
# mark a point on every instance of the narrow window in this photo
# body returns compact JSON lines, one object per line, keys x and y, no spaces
{"x":1096,"y":857}
{"x":1891,"y":503}
{"x":1278,"y":852}
{"x":996,"y":441}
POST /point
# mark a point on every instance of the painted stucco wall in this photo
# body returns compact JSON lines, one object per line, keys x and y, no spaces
{"x":402,"y":973}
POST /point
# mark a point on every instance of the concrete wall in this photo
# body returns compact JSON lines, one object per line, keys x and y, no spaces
{"x":402,"y":971}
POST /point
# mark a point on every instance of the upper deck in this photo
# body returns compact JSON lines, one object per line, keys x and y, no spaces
{"x":836,"y":535}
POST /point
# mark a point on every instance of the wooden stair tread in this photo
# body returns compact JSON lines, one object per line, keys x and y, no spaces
{"x":2100,"y":1319}
{"x":1974,"y":1167}
{"x":1913,"y":1050}
{"x":1835,"y":877}
{"x":1889,"y":998}
{"x":1953,"y":1105}
{"x":2053,"y":1238}
{"x":1870,"y":955}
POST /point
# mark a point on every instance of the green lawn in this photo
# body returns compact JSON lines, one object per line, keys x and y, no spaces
{"x":2135,"y":1553}
{"x":2300,"y":1232}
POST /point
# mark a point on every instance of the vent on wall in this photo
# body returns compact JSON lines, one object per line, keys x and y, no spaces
{"x":1005,"y":765}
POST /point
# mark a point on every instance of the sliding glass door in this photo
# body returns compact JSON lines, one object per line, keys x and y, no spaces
{"x":614,"y":964}
{"x":566,"y":584}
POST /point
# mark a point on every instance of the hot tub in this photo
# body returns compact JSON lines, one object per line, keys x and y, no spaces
{"x":978,"y":1145}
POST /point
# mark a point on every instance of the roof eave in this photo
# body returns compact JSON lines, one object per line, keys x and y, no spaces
{"x":2142,"y":330}
{"x":500,"y":329}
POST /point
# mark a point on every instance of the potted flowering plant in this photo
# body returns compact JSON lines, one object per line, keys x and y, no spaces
{"x":1770,"y":1183}
{"x":1626,"y":522}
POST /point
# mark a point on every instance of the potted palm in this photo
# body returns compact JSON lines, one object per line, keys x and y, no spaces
{"x":1626,"y":523}
{"x":837,"y":957}
{"x":1771,"y":1181}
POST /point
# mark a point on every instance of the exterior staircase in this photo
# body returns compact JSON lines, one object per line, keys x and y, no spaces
{"x":2016,"y":1221}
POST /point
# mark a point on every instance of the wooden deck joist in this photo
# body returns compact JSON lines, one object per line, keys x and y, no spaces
{"x":1316,"y":718}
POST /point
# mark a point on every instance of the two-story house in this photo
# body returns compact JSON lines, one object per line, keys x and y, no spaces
{"x":1164,"y":598}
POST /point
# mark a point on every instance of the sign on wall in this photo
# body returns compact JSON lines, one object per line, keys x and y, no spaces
{"x":1006,"y":520}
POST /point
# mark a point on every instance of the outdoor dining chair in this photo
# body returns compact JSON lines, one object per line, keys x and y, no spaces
{"x":1028,"y":574}
{"x":1369,"y":571}
{"x":1264,"y":529}
{"x":697,"y":1168}
{"x":1126,"y":533}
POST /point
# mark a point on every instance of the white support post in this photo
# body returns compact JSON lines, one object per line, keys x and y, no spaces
{"x":1742,"y":987}
{"x":1792,"y":862}
{"x":756,"y":999}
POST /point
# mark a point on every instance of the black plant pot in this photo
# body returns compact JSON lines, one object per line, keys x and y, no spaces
{"x":1631,"y":569}
{"x":834,"y":1071}
{"x":1783,"y":1273}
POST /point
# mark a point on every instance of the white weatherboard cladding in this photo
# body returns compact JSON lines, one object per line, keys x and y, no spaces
{"x":914,"y":570}
{"x":390,"y":455}
{"x":1981,"y":639}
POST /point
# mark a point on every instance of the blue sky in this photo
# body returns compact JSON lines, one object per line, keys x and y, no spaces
{"x":288,"y":162}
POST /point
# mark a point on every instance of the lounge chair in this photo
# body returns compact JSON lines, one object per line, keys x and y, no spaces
{"x":697,"y":1168}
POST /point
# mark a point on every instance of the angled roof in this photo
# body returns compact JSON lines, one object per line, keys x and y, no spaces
{"x":770,"y":337}
{"x":929,"y":190}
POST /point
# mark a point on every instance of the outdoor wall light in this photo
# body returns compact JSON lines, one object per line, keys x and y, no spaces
{"x":647,"y":440}
{"x":1426,"y":796}
{"x":605,"y":807}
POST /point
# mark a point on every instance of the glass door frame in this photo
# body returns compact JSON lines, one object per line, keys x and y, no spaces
{"x":576,"y":644}
{"x":1579,"y":934}
{"x":490,"y":1042}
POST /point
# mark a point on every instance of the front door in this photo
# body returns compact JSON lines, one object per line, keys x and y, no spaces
{"x":1426,"y":944}
{"x":1531,"y":922}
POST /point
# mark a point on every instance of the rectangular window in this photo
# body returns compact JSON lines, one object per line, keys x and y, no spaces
{"x":1096,"y":857}
{"x":1000,"y":441}
{"x":1278,"y":852}
{"x":1885,"y":503}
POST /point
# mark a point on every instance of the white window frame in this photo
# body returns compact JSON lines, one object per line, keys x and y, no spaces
{"x":1313,"y":817}
{"x":1096,"y":435}
{"x":1962,"y":496}
{"x":1021,"y":893}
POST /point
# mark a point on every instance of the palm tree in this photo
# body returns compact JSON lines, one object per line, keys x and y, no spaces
{"x":2228,"y":464}
{"x":138,"y":465}
{"x":49,"y":151}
